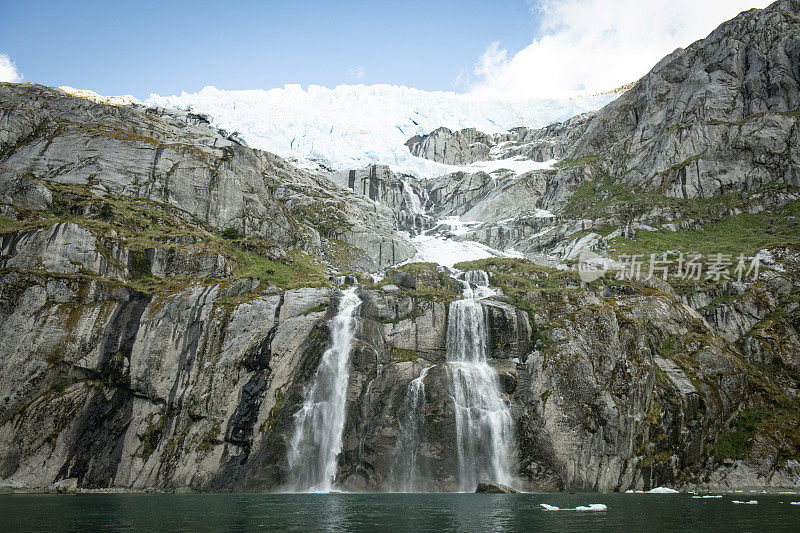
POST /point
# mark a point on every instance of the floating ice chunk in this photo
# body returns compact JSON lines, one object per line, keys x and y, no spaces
{"x":662,"y":490}
{"x":590,"y":507}
{"x":794,"y":503}
{"x":705,"y":496}
{"x":751,"y":502}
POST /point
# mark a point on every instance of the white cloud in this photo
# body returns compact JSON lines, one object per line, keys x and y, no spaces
{"x":596,"y":45}
{"x":8,"y":70}
{"x":356,"y":72}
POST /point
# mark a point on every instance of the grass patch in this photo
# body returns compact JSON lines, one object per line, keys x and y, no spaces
{"x":745,"y":233}
{"x":303,"y":271}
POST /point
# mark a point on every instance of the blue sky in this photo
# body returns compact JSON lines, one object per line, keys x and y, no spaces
{"x":167,"y":47}
{"x":506,"y":49}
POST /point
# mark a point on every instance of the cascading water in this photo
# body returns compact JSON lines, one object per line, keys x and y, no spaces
{"x":484,"y":426}
{"x":317,"y":439}
{"x":413,"y":201}
{"x":404,"y":467}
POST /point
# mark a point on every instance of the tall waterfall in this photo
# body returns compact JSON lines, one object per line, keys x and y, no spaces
{"x":484,"y":426}
{"x":317,"y":440}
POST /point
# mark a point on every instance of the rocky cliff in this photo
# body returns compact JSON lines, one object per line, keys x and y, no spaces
{"x":710,"y":132}
{"x":166,"y":291}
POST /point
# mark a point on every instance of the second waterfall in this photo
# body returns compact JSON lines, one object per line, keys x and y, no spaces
{"x":484,"y":426}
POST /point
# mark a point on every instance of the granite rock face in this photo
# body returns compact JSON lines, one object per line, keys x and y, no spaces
{"x":452,"y":148}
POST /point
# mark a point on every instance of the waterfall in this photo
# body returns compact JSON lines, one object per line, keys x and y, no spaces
{"x":404,"y":466}
{"x":484,"y":426}
{"x":414,"y":203}
{"x":318,"y":425}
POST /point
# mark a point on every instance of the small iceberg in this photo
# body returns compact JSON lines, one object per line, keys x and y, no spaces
{"x":662,"y":490}
{"x":590,"y":507}
{"x":657,"y":490}
{"x":751,"y":502}
{"x":705,"y":496}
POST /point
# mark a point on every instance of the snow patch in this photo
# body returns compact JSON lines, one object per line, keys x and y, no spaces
{"x":448,"y":252}
{"x":99,"y":98}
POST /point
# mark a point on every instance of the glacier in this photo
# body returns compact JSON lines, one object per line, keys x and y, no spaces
{"x":352,"y":126}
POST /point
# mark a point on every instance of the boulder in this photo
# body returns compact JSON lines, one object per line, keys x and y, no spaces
{"x":489,"y":487}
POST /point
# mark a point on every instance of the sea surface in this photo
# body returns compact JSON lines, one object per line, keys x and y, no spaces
{"x":395,"y":512}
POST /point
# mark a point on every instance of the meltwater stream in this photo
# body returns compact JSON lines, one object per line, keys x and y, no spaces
{"x":318,"y":425}
{"x":484,"y":426}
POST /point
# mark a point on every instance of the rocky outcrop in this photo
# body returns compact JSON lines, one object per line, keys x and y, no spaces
{"x":196,"y":388}
{"x":713,"y":118}
{"x":452,"y":148}
{"x":64,"y":248}
{"x":402,"y":194}
{"x":487,"y":487}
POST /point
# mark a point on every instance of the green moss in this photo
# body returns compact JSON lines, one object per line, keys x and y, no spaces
{"x":544,"y":396}
{"x":231,"y":233}
{"x":418,"y":268}
{"x":653,"y":413}
{"x":328,"y":218}
{"x":657,"y":458}
{"x":569,"y":163}
{"x":152,"y":435}
{"x":208,"y":439}
{"x":400,"y":355}
{"x":415,"y":313}
{"x":139,"y":264}
{"x":106,"y":211}
{"x":317,"y":308}
{"x":272,"y":417}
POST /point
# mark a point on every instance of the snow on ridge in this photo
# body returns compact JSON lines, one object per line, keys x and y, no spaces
{"x":352,"y":126}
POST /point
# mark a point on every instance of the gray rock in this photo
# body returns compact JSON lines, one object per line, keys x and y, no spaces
{"x":488,"y":487}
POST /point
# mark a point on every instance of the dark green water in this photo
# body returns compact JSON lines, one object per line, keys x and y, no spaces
{"x":371,"y":512}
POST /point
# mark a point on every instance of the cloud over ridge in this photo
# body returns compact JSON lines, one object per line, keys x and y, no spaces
{"x":8,"y":70}
{"x":597,"y":45}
